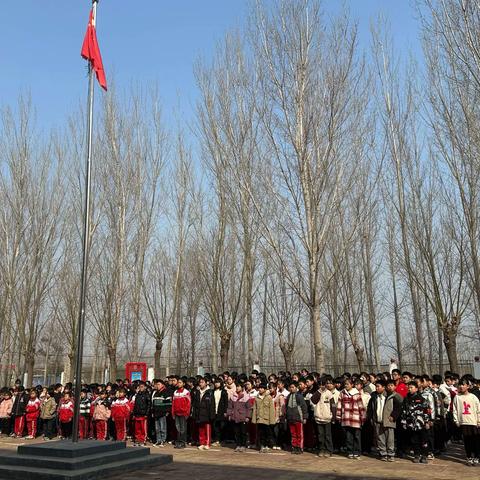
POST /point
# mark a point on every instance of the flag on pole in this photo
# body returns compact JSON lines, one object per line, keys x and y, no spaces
{"x":91,"y":51}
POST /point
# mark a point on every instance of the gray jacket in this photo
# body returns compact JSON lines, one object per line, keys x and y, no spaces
{"x":391,"y":408}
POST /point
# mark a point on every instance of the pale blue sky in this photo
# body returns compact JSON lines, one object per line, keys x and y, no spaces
{"x":148,"y":42}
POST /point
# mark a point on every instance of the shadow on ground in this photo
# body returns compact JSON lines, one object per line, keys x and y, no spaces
{"x":225,"y":465}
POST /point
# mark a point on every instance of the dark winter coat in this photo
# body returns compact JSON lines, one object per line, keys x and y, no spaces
{"x":415,"y":412}
{"x":142,"y":404}
{"x":296,"y":409}
{"x":203,"y":406}
{"x":162,"y":402}
{"x":20,"y":404}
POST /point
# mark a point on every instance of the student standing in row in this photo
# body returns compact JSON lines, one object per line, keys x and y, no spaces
{"x":220,"y":397}
{"x":121,"y":410}
{"x":415,"y":420}
{"x":20,"y":400}
{"x":48,"y":411}
{"x":65,"y":415}
{"x":466,"y":415}
{"x":239,"y":413}
{"x":297,"y":415}
{"x":323,"y":409}
{"x":32,"y":412}
{"x":101,"y":414}
{"x":351,"y":414}
{"x":6,"y":406}
{"x":161,"y":408}
{"x":181,"y":406}
{"x":84,"y":420}
{"x":203,"y":412}
{"x":383,"y":410}
{"x":263,"y":415}
{"x":141,"y":411}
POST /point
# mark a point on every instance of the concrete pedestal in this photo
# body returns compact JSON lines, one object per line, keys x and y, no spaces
{"x":87,"y":459}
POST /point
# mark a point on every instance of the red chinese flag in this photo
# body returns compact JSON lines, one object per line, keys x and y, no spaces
{"x":91,"y":52}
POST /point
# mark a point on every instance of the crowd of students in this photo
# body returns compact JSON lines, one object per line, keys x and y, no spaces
{"x":387,"y":414}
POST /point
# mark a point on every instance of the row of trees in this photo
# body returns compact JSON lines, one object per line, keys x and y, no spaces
{"x":323,"y":205}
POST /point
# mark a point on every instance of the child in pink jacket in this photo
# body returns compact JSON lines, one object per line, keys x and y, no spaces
{"x":101,"y":414}
{"x":6,"y":405}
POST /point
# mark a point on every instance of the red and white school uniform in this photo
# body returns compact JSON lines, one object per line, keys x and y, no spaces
{"x":65,"y":415}
{"x":121,"y":409}
{"x":32,"y":412}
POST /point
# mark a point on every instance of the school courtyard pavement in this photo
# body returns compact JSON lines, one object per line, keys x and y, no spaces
{"x":222,"y":463}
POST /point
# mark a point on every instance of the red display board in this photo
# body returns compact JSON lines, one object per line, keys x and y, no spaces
{"x":136,"y":371}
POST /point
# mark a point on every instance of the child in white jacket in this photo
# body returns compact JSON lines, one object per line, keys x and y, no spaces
{"x":323,"y":407}
{"x":466,"y":414}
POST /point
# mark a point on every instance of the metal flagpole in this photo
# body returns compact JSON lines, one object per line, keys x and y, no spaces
{"x":86,"y":230}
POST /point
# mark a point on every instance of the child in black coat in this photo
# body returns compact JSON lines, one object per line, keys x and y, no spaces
{"x":220,"y":400}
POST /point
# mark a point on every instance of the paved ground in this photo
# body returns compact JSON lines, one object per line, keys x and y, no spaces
{"x":222,"y":463}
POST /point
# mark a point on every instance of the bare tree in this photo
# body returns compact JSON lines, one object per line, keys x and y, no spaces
{"x":228,"y":129}
{"x":312,"y":101}
{"x":285,"y":312}
{"x":398,"y":116}
{"x":31,"y":177}
{"x":452,"y":51}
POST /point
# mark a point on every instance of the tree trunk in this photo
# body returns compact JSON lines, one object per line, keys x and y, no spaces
{"x":112,"y":359}
{"x":345,"y":349}
{"x":317,"y":338}
{"x":450,"y":342}
{"x":264,"y":324}
{"x":287,"y":351}
{"x":372,"y":314}
{"x":157,"y":357}
{"x":440,"y":349}
{"x":430,"y":337}
{"x":335,"y":349}
{"x":214,"y":349}
{"x":244,"y":355}
{"x":93,"y":374}
{"x":29,"y":367}
{"x":68,"y":367}
{"x":224,"y":348}
{"x":274,"y":350}
{"x":359,"y":353}
{"x":193,"y":346}
{"x":248,"y":310}
{"x":396,"y":311}
{"x":134,"y":338}
{"x":178,"y":363}
{"x":169,"y":352}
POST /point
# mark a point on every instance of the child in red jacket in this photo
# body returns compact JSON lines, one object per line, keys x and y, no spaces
{"x":121,"y":410}
{"x":181,"y":405}
{"x":32,"y":412}
{"x":65,"y":415}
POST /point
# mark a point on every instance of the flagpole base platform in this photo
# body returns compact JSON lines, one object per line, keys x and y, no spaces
{"x":85,"y":460}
